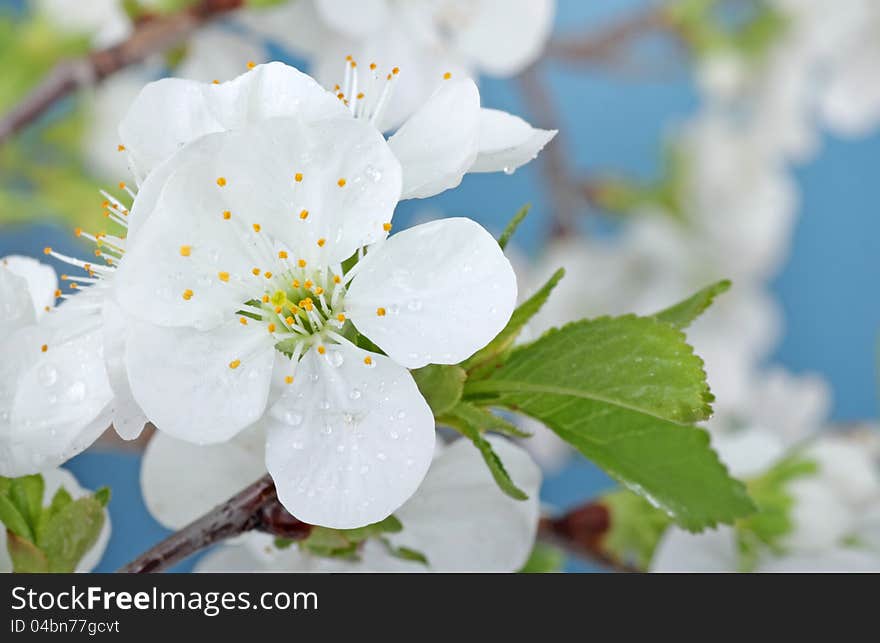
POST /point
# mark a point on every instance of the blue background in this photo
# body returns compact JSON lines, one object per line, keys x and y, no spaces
{"x":827,"y":287}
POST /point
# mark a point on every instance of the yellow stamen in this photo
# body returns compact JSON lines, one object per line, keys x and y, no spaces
{"x":271,"y":328}
{"x":336,"y":279}
{"x":77,"y":232}
{"x":288,"y":379}
{"x":267,"y":275}
{"x":298,"y":177}
{"x":380,"y":311}
{"x":243,"y":321}
{"x":221,"y":181}
{"x":322,"y":350}
{"x":265,"y":299}
{"x":321,"y":242}
{"x":447,"y":75}
{"x":386,"y":227}
{"x":185,"y":251}
{"x":215,"y":82}
{"x":188,"y":294}
{"x":234,"y":364}
{"x":251,"y":64}
{"x":120,"y":148}
{"x":256,"y":272}
{"x":47,"y":250}
{"x":122,"y":185}
{"x":340,"y":317}
{"x":44,"y":347}
{"x":395,"y":71}
{"x":308,"y":285}
{"x":341,"y":183}
{"x":368,"y":360}
{"x":304,"y":215}
{"x":282,"y":255}
{"x":301,"y":263}
{"x":319,"y":290}
{"x":257,"y":227}
{"x":227,"y":215}
{"x":223,"y":276}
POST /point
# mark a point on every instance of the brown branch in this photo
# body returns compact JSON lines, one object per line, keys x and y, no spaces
{"x":151,"y":36}
{"x":255,"y":507}
{"x":608,"y":41}
{"x":581,"y":532}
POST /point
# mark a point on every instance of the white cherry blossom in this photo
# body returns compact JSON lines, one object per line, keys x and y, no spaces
{"x":458,"y":518}
{"x":427,"y":38}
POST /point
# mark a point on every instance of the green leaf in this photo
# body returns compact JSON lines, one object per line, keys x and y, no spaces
{"x":484,"y":420}
{"x":404,"y":553}
{"x":26,"y":556}
{"x":59,"y":501}
{"x":102,"y":495}
{"x":71,"y":533}
{"x":441,"y":385}
{"x":26,"y":493}
{"x":390,"y":525}
{"x":622,"y":391}
{"x":635,"y":528}
{"x":343,"y":543}
{"x":682,"y":314}
{"x":14,"y":521}
{"x":544,"y":559}
{"x":511,"y":227}
{"x":460,"y":419}
{"x":481,"y":363}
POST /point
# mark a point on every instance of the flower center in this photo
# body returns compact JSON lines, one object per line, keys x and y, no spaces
{"x":366,"y":97}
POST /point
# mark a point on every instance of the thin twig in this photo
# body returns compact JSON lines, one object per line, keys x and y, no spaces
{"x":607,"y":41}
{"x":255,"y":507}
{"x":149,"y":37}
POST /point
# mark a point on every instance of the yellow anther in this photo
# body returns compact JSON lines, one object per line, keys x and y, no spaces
{"x":353,"y":64}
{"x":282,"y":255}
{"x":349,"y":58}
{"x":388,"y":77}
{"x":257,"y":227}
{"x":340,"y":317}
{"x":267,"y":275}
{"x":368,"y":360}
{"x":251,"y":64}
{"x":447,"y":75}
{"x":336,"y":279}
{"x":301,"y":263}
{"x":187,"y":294}
{"x":340,"y":96}
{"x":221,"y":181}
{"x":58,"y":292}
{"x":395,"y":71}
{"x":122,"y":185}
{"x":243,"y":321}
{"x":47,"y":250}
{"x":322,"y":350}
{"x":298,"y":177}
{"x":223,"y":276}
{"x":321,"y":242}
{"x":256,"y":272}
{"x":120,"y":148}
{"x":288,"y":379}
{"x":296,"y":283}
{"x":227,"y":215}
{"x":308,"y":285}
{"x":97,"y":253}
{"x":380,"y":311}
{"x":215,"y":82}
{"x":74,"y":285}
{"x":319,"y":290}
{"x":304,"y":215}
{"x":360,"y":95}
{"x":386,"y":227}
{"x":46,"y":308}
{"x":234,"y":364}
{"x":271,"y":328}
{"x":77,"y":232}
{"x":44,"y":348}
{"x":185,"y":251}
{"x":278,"y":310}
{"x":265,"y":299}
{"x":290,"y":321}
{"x":105,"y":203}
{"x":341,"y":183}
{"x":373,"y":66}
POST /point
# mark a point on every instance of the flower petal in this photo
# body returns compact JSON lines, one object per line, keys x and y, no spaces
{"x":445,"y":287}
{"x":182,"y":379}
{"x":713,"y":550}
{"x":182,"y":481}
{"x":171,"y":112}
{"x":349,"y":442}
{"x":504,"y":36}
{"x":439,"y":143}
{"x":507,"y":142}
{"x":128,"y":419}
{"x":492,"y":532}
{"x":41,"y":280}
{"x":54,"y":403}
{"x":16,"y":305}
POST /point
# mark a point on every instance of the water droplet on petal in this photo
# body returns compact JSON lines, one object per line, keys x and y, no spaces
{"x":354,"y":394}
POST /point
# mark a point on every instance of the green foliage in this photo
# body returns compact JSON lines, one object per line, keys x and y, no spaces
{"x":471,"y":421}
{"x":683,"y":314}
{"x":404,"y":553}
{"x":53,"y":538}
{"x":766,"y":528}
{"x":511,"y":227}
{"x":636,"y":528}
{"x":441,"y":386}
{"x":544,"y":559}
{"x":343,"y":543}
{"x":624,"y":392}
